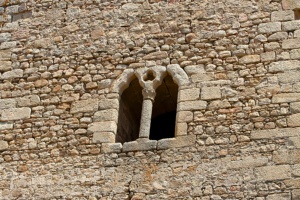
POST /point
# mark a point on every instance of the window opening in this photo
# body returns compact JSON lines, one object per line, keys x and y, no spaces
{"x":149,"y":76}
{"x":297,"y":14}
{"x":130,"y":113}
{"x":164,"y":110}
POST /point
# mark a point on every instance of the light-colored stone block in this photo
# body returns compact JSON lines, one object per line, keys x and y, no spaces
{"x":247,"y":162}
{"x":188,"y":94}
{"x":30,"y":100}
{"x":15,"y":114}
{"x":291,"y":25}
{"x":192,"y":105}
{"x":6,"y":126}
{"x":106,"y":115}
{"x":5,"y":55}
{"x":219,"y":104}
{"x":293,"y":120}
{"x":140,"y":145}
{"x":285,"y":15}
{"x":7,"y":103}
{"x":268,"y":56}
{"x":289,"y":77}
{"x":109,"y":126}
{"x":275,"y":133}
{"x":180,"y":141}
{"x":3,"y":145}
{"x":278,"y":36}
{"x":181,"y":129}
{"x":295,"y":141}
{"x":284,"y":156}
{"x":272,"y":173}
{"x":295,"y":54}
{"x":280,"y":196}
{"x":111,"y":147}
{"x":16,"y":73}
{"x":269,"y":27}
{"x":295,"y":107}
{"x":282,"y":66}
{"x":88,"y":105}
{"x":248,"y":59}
{"x":209,"y":93}
{"x":291,"y":43}
{"x":296,"y":194}
{"x":286,"y":97}
{"x":103,"y":137}
{"x":108,"y":104}
{"x":290,"y":4}
{"x":5,"y":66}
{"x":184,"y":116}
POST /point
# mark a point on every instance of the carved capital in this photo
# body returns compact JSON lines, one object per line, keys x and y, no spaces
{"x":149,"y":94}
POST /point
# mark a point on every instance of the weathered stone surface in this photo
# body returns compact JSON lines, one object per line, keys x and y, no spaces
{"x":286,"y":97}
{"x":6,"y":126}
{"x":5,"y":66}
{"x":295,"y":107}
{"x":111,"y":147}
{"x":106,"y":115}
{"x":284,"y":15}
{"x":104,"y":137}
{"x":290,"y":4}
{"x":189,"y":94}
{"x":289,"y":77}
{"x":209,"y":93}
{"x":248,"y":162}
{"x":3,"y":145}
{"x":192,"y":105}
{"x":295,"y":141}
{"x":291,"y":25}
{"x":248,"y":59}
{"x":184,"y":116}
{"x":279,"y":196}
{"x":7,"y":103}
{"x":291,"y":43}
{"x":30,"y":100}
{"x":282,"y":66}
{"x":16,"y":73}
{"x":275,"y":133}
{"x":286,"y":156}
{"x":88,"y":105}
{"x":5,"y":55}
{"x":180,"y":141}
{"x":293,"y":120}
{"x":108,"y":104}
{"x":140,"y":145}
{"x":269,"y":27}
{"x":296,"y":194}
{"x":109,"y":126}
{"x":181,"y":129}
{"x":271,"y":173}
{"x":40,"y":83}
{"x":156,"y":55}
{"x":278,"y":36}
{"x":42,"y":43}
{"x":268,"y":56}
{"x":15,"y":114}
{"x":295,"y":54}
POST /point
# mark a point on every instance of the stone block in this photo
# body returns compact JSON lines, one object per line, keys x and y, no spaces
{"x":295,"y":107}
{"x":290,"y":4}
{"x":296,"y":170}
{"x":296,"y":194}
{"x":268,"y":56}
{"x":108,"y":104}
{"x":293,"y":120}
{"x":210,"y":93}
{"x":15,"y":114}
{"x":103,"y":137}
{"x":70,"y":98}
{"x":188,"y":94}
{"x":269,"y":27}
{"x":192,"y":105}
{"x":275,"y":133}
{"x":295,"y":54}
{"x":30,"y":100}
{"x":286,"y":97}
{"x":248,"y":59}
{"x":278,"y":36}
{"x":278,"y":196}
{"x":248,"y":162}
{"x":292,"y":183}
{"x":201,"y":77}
{"x":289,"y":77}
{"x":282,"y":66}
{"x":109,"y":126}
{"x":7,"y":103}
{"x":5,"y":55}
{"x":273,"y":173}
{"x":6,"y":126}
{"x":3,"y":145}
{"x":285,"y":15}
{"x":111,"y":147}
{"x":140,"y":145}
{"x":5,"y":66}
{"x":286,"y":156}
{"x":106,"y":115}
{"x":295,"y":141}
{"x":184,"y":116}
{"x":156,"y":55}
{"x":16,"y":73}
{"x":194,"y":69}
{"x":88,"y":105}
{"x":180,"y":141}
{"x":219,"y":104}
{"x":291,"y":43}
{"x":181,"y":129}
{"x":291,"y":25}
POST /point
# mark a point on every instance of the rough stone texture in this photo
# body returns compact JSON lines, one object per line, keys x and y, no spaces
{"x":65,"y":64}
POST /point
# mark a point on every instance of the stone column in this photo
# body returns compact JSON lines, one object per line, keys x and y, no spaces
{"x":148,"y":98}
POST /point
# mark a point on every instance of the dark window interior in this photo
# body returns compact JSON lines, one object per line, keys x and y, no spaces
{"x":297,"y":14}
{"x":130,"y":113}
{"x":164,"y":110}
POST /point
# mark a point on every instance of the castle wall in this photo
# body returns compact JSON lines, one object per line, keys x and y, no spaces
{"x":238,"y":108}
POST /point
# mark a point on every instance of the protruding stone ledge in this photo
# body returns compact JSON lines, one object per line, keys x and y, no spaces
{"x":111,"y":147}
{"x":103,"y":137}
{"x":140,"y":145}
{"x":275,"y":133}
{"x":180,"y":141}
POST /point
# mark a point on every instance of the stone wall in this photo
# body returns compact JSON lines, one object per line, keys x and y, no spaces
{"x":64,"y":65}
